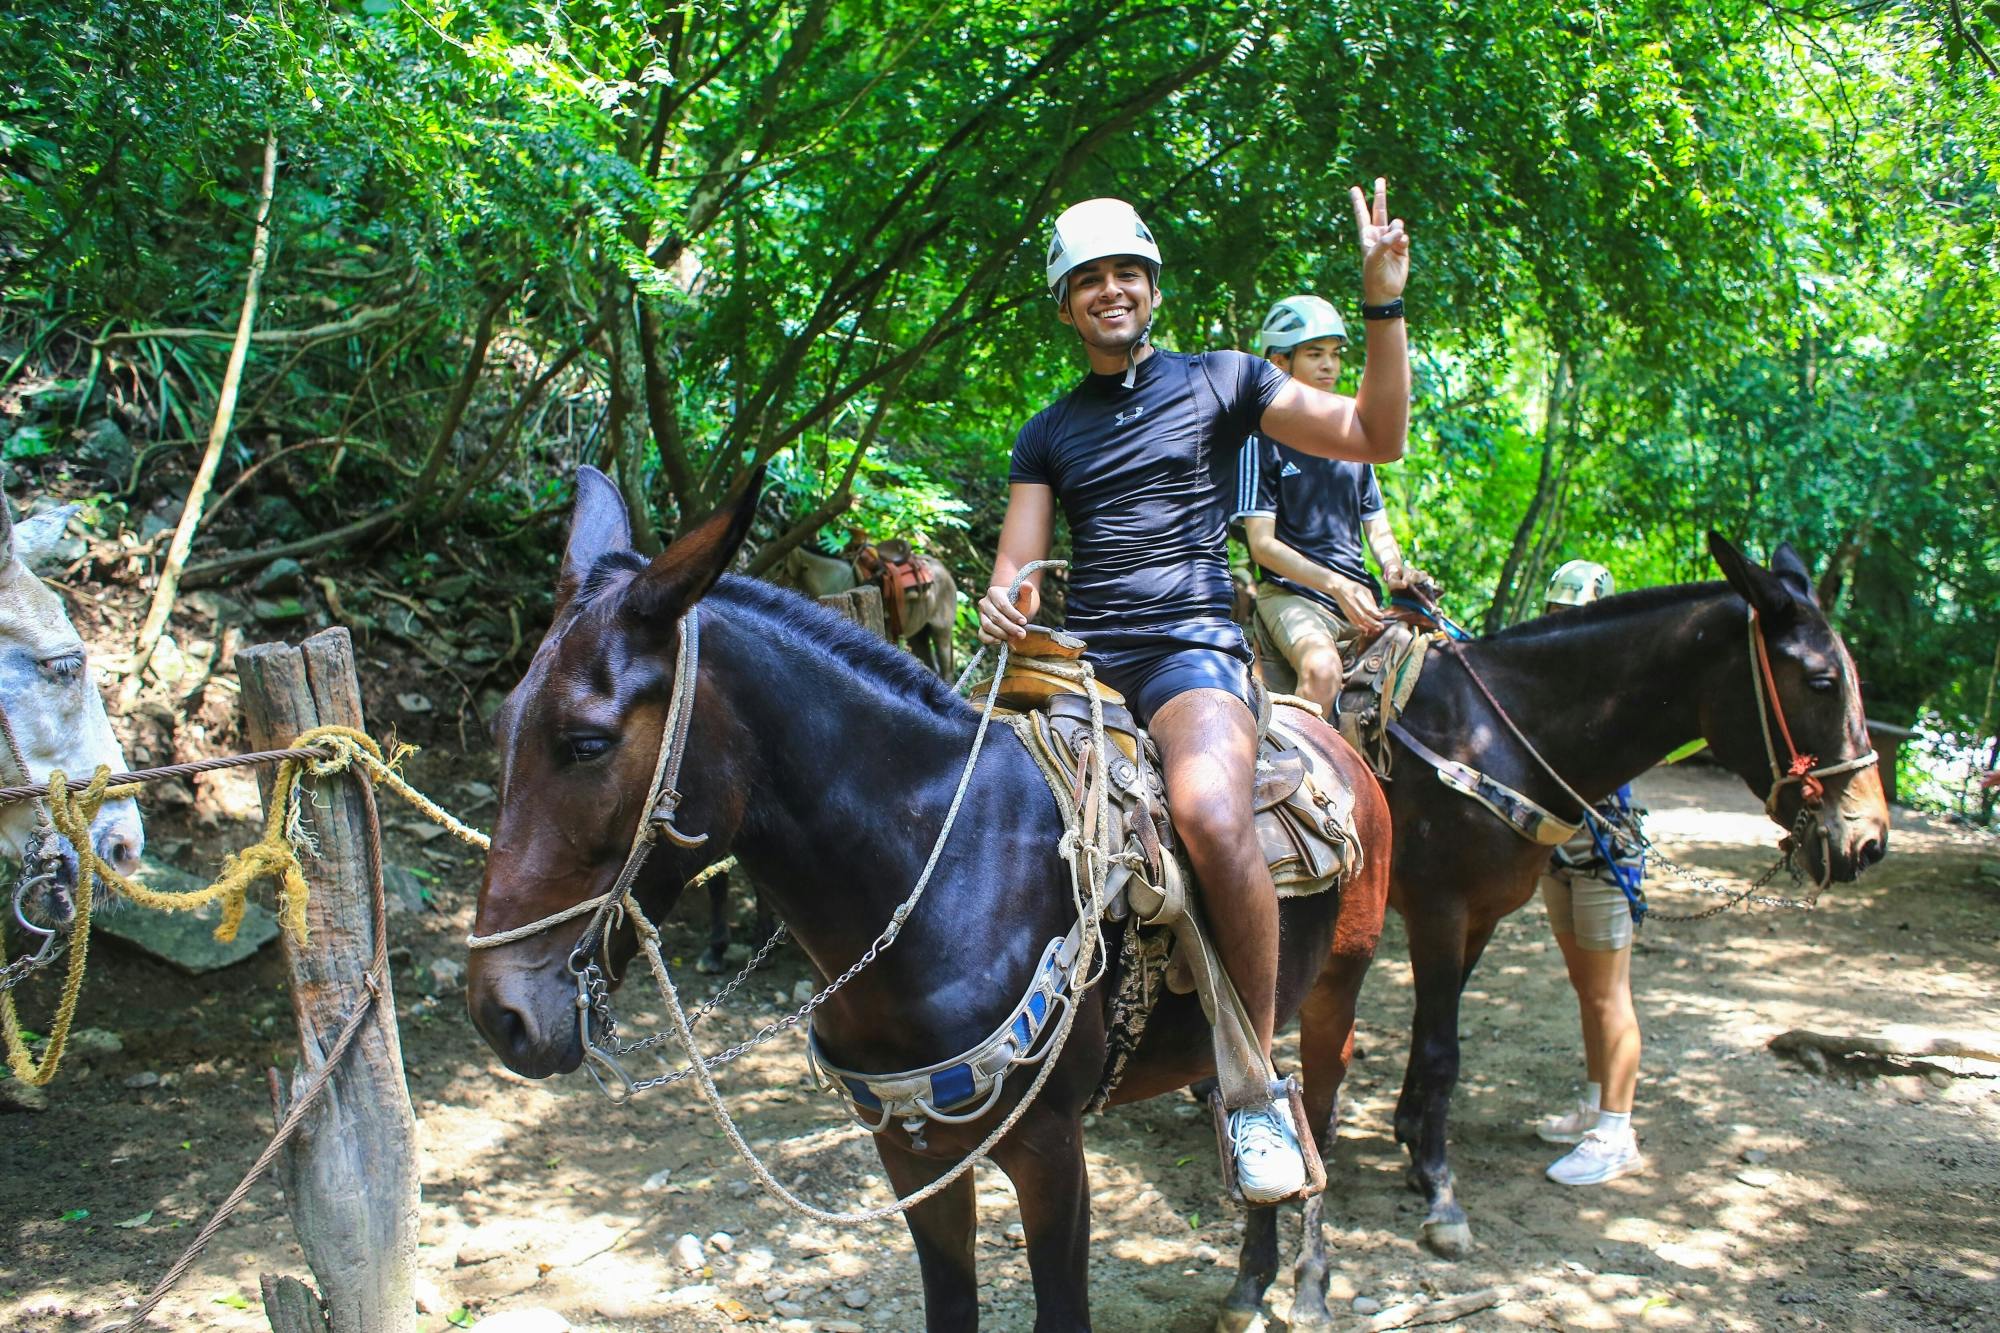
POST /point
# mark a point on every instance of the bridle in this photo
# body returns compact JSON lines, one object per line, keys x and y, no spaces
{"x":1804,"y":769}
{"x":590,"y":960}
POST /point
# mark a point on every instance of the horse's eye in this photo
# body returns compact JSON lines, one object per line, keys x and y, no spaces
{"x":1823,"y":684}
{"x":65,"y":668}
{"x":583,"y":749}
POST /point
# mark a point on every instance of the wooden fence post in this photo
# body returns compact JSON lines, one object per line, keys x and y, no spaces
{"x":350,"y":1174}
{"x":862,"y":605}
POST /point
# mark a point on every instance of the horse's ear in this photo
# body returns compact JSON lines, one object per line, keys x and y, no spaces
{"x":1758,"y":585}
{"x":689,"y":567}
{"x":34,"y":538}
{"x":598,"y":526}
{"x":1792,"y":572}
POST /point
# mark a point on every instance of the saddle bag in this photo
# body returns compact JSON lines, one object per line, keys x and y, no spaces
{"x":1378,"y":687}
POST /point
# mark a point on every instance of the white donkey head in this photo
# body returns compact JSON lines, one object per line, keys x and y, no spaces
{"x":50,"y":698}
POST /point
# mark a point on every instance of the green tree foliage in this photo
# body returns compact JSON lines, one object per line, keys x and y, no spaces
{"x":1727,"y":265}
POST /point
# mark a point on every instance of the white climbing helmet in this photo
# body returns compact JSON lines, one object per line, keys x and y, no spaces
{"x":1300,"y":319}
{"x":1579,"y":583}
{"x":1097,"y":229}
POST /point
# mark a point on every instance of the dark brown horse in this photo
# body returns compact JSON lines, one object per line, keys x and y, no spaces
{"x":1604,"y":693}
{"x":825,"y":761}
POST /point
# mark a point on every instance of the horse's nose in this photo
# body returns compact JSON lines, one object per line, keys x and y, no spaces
{"x":121,"y":847}
{"x":1871,"y":851}
{"x":503,"y":1006}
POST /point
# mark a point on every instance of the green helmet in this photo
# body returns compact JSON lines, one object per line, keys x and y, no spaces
{"x":1300,"y":319}
{"x":1579,"y":583}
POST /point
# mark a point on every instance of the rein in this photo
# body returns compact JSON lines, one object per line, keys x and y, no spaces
{"x":1088,"y":866}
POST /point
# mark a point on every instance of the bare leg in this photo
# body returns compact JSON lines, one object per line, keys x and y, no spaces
{"x":1208,"y":746}
{"x":1603,"y":982}
{"x":1320,"y":669}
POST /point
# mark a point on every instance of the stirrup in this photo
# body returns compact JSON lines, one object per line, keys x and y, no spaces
{"x":1294,"y":1092}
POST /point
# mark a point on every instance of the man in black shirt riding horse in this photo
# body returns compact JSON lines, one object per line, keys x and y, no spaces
{"x":1142,"y":457}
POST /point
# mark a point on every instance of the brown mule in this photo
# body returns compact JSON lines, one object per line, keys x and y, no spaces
{"x":825,"y":762}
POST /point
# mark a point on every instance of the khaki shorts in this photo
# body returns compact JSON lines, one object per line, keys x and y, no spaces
{"x":1593,"y":911}
{"x":1290,"y":623}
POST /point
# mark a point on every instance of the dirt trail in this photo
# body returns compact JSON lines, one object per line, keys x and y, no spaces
{"x":1873,"y":1203}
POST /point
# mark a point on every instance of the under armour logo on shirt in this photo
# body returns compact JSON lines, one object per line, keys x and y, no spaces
{"x":1132,"y":415}
{"x":1290,"y":469}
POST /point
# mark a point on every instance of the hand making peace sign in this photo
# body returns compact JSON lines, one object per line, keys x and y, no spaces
{"x":1385,"y":246}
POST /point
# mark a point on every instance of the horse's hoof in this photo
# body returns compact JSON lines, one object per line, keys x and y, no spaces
{"x":1308,"y":1315}
{"x":1448,"y":1240}
{"x":711,"y":964}
{"x":1240,"y":1321}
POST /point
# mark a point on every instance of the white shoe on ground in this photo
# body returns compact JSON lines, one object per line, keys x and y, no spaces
{"x":1598,"y":1158}
{"x":1571,"y":1126}
{"x":1269,"y":1163}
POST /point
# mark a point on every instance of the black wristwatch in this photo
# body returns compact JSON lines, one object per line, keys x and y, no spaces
{"x":1390,"y":310}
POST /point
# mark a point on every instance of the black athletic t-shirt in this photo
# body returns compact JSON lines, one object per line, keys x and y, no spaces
{"x":1318,"y":504}
{"x":1146,"y":476}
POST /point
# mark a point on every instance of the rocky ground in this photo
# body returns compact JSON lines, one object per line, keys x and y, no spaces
{"x":1774,"y":1197}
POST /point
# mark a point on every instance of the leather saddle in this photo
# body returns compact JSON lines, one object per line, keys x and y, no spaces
{"x":894,"y":568}
{"x":1304,"y":810}
{"x":1378,"y":686}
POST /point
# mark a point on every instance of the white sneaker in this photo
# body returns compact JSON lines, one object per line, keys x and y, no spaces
{"x":1269,"y":1164}
{"x":1569,"y":1127}
{"x":1598,"y":1158}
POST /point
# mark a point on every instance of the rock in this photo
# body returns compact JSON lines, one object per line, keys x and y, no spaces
{"x":1017,"y":1235}
{"x":772,"y":1295}
{"x":477,"y":792}
{"x":857,"y":1298}
{"x":1754,"y":1156}
{"x":430,"y":1297}
{"x":186,"y":940}
{"x":18,"y":1096}
{"x":412,"y":702}
{"x":789,"y":1309}
{"x":701,"y":1293}
{"x":1207,"y":1254}
{"x":280,"y":576}
{"x":686,"y":1254}
{"x":106,"y":448}
{"x":148,"y":1079}
{"x":95,"y":1043}
{"x":804,"y":991}
{"x":738,"y":1189}
{"x":658,"y":1180}
{"x":446,"y":975}
{"x":1366,"y":1305}
{"x":722,"y":1242}
{"x":1762,"y":1180}
{"x":278,"y":517}
{"x":450,"y":589}
{"x":273,"y":610}
{"x":524,"y":1321}
{"x":402,"y":891}
{"x":841,"y":1326}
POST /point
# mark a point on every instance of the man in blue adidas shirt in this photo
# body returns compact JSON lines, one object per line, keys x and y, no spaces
{"x":1304,"y":518}
{"x":1142,"y":458}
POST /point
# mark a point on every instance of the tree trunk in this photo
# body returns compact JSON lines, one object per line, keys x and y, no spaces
{"x":162,"y":608}
{"x":350,"y":1173}
{"x":1561,"y":390}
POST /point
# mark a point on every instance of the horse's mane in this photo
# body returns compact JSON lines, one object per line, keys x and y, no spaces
{"x":1640,"y":601}
{"x":805,"y":624}
{"x":801,"y":622}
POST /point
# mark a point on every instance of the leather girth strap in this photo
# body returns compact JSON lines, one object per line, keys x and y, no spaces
{"x":1527,"y":818}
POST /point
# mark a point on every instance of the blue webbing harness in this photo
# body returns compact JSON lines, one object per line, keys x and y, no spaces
{"x":966,"y":1086}
{"x":1605,"y":821}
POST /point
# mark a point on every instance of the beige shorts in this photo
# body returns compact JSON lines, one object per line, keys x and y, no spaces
{"x":1593,"y":911}
{"x":1290,"y":623}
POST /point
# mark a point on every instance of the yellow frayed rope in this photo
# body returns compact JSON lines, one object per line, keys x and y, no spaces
{"x":274,"y":855}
